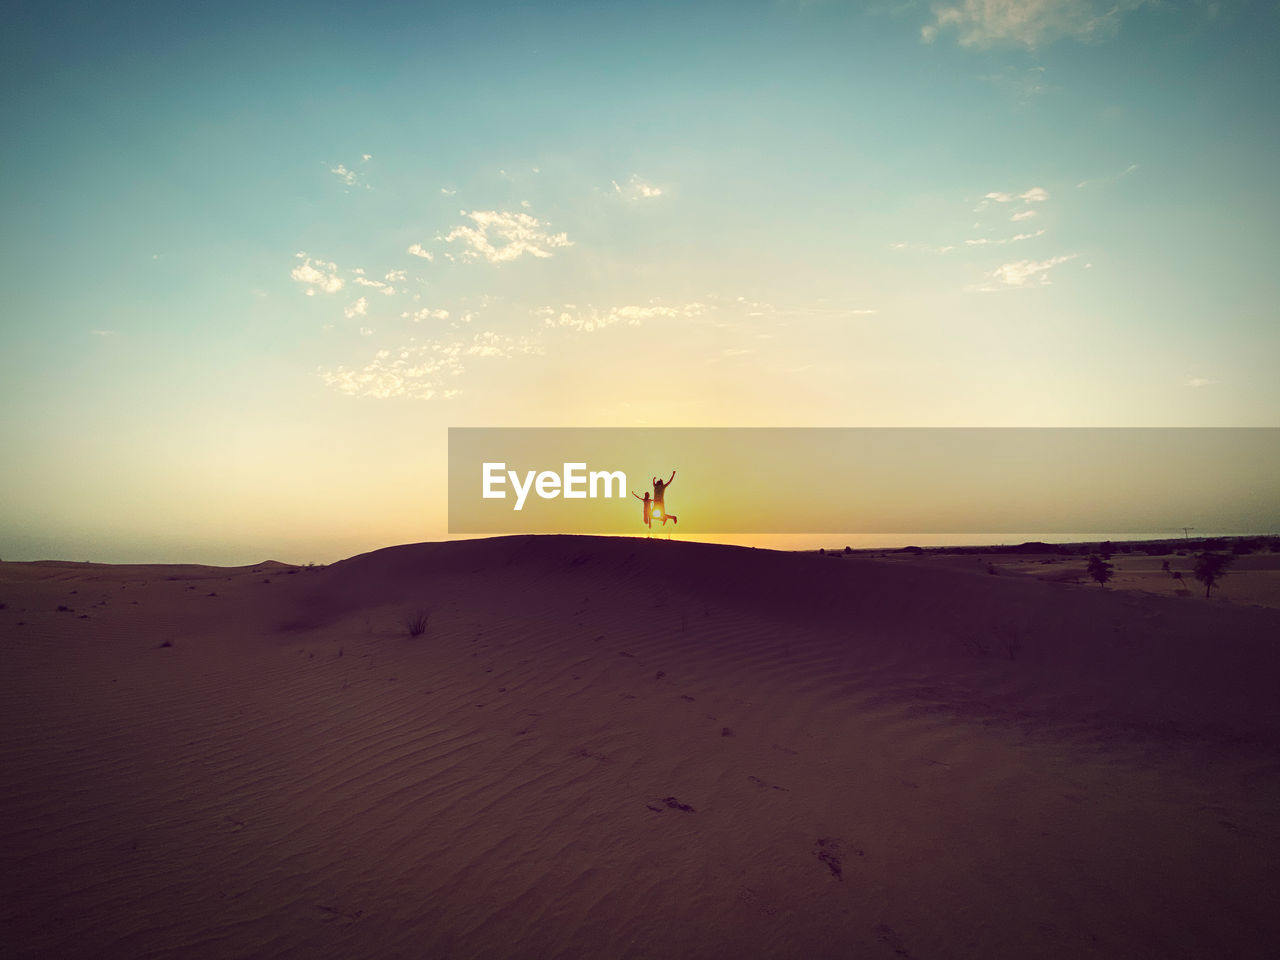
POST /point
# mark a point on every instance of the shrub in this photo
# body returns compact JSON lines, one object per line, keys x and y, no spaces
{"x":417,"y":624}
{"x":1210,"y":568}
{"x":1100,"y":570}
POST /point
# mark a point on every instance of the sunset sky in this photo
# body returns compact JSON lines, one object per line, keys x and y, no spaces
{"x":258,"y":259}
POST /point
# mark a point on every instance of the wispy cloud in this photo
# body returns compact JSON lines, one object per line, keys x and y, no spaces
{"x":1022,"y":273}
{"x":516,"y":234}
{"x":358,"y":309}
{"x":985,"y":241}
{"x":588,"y":319}
{"x":418,"y":250}
{"x":423,"y":371}
{"x":426,"y":313}
{"x":1024,"y":85}
{"x":317,"y":275}
{"x":921,"y":247}
{"x":417,"y":371}
{"x":1198,"y":382}
{"x":636,"y":189}
{"x":103,"y":333}
{"x":1023,"y":215}
{"x":491,"y":344}
{"x":379,"y":285}
{"x":1033,"y":195}
{"x":1111,"y":179}
{"x":348,"y":177}
{"x":818,"y":309}
{"x":1027,"y":23}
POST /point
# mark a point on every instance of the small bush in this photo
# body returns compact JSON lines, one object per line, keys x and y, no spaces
{"x":1210,"y":568}
{"x":417,"y":624}
{"x":1100,"y":570}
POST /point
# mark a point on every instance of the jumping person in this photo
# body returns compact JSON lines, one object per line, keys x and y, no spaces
{"x":659,"y":504}
{"x":648,"y":508}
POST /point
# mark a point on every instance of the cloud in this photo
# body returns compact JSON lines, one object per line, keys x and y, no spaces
{"x":418,"y":250}
{"x":817,"y":309}
{"x":378,"y":285}
{"x":519,"y":233}
{"x":422,"y":371}
{"x":1198,"y":382}
{"x":357,"y":309}
{"x":1033,"y":195}
{"x":416,"y":372}
{"x":103,"y":333}
{"x":447,"y":192}
{"x":920,"y":247}
{"x":317,"y":275}
{"x":1023,"y":273}
{"x":342,"y":173}
{"x":490,"y":344}
{"x":426,"y":313}
{"x":1022,"y":84}
{"x":1027,"y":23}
{"x":589,"y":319}
{"x":984,"y":241}
{"x":1111,"y":179}
{"x":395,"y":276}
{"x":1023,"y":215}
{"x":636,"y":189}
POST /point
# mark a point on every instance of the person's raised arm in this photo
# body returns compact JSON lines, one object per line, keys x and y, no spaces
{"x":636,"y":495}
{"x":673,"y":476}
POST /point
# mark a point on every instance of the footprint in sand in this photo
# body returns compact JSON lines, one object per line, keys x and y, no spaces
{"x":753,"y":899}
{"x":890,"y":938}
{"x":337,"y":913}
{"x":829,"y":850}
{"x":673,"y":804}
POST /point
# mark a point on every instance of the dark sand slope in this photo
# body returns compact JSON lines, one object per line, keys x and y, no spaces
{"x":622,"y":748}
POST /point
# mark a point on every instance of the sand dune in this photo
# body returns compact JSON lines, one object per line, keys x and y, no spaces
{"x":608,"y":747}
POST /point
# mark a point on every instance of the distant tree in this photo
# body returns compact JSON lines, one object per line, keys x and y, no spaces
{"x":1099,"y":570}
{"x":1106,"y":550}
{"x":1210,"y":568}
{"x":1164,"y":565}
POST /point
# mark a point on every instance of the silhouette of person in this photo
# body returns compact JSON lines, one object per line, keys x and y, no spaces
{"x":648,"y":508}
{"x":659,"y":503}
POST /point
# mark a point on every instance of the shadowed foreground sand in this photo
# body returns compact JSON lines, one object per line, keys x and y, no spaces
{"x":609,"y":748}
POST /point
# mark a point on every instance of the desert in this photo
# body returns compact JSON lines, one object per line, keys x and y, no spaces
{"x":619,"y":747}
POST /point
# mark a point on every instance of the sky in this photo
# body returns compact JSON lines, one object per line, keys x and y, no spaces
{"x":258,"y":258}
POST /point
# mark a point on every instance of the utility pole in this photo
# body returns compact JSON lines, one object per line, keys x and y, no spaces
{"x":1186,"y":531}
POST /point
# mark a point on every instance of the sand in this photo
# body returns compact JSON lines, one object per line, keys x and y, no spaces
{"x":617,"y":748}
